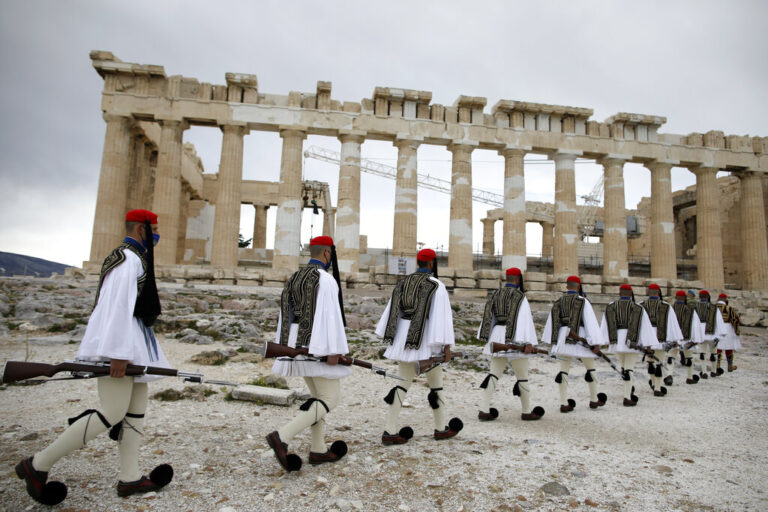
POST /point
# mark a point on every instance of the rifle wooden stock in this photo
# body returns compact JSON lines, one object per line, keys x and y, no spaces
{"x":272,"y":350}
{"x":15,"y":371}
{"x":503,"y":347}
{"x":426,"y":364}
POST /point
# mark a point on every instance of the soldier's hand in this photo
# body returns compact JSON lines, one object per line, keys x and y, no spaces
{"x":332,"y":360}
{"x":528,"y":348}
{"x":117,"y":368}
{"x":595,"y":349}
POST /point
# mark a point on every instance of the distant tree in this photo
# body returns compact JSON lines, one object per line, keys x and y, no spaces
{"x":242,"y":242}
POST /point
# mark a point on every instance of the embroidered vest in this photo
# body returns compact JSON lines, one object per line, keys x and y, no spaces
{"x":504,"y":304}
{"x":730,"y":316}
{"x":657,"y":311}
{"x":707,"y":311}
{"x":411,"y":298}
{"x":624,"y":314}
{"x":566,"y":312}
{"x":113,"y":260}
{"x":298,"y":302}
{"x":684,"y":314}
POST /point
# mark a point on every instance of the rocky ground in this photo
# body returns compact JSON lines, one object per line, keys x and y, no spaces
{"x":703,"y":447}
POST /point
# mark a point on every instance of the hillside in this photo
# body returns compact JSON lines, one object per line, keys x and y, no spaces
{"x":18,"y":264}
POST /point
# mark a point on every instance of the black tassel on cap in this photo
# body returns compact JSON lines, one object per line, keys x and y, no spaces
{"x":434,"y":271}
{"x":148,"y":303}
{"x":337,"y":277}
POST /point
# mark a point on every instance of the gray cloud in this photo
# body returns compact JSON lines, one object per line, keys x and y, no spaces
{"x":702,"y":64}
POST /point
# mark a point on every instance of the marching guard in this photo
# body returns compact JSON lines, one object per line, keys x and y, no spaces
{"x":668,"y":335}
{"x":731,"y":341}
{"x":119,"y":331}
{"x":311,"y":317}
{"x":691,"y":329}
{"x":418,"y":324}
{"x":714,"y":331}
{"x":573,"y":331}
{"x":627,"y":326}
{"x":507,"y":318}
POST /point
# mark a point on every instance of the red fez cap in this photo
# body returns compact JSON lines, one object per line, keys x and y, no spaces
{"x":322,"y":240}
{"x":654,"y":286}
{"x":141,"y":216}
{"x":704,"y":292}
{"x":575,"y":279}
{"x":514,"y":271}
{"x":680,"y":293}
{"x":722,"y":296}
{"x":625,"y":287}
{"x":426,"y":255}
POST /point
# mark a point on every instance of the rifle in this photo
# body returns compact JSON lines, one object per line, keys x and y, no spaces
{"x":425,"y":365}
{"x":584,"y":343}
{"x":276,"y":350}
{"x":15,"y":371}
{"x":503,"y":347}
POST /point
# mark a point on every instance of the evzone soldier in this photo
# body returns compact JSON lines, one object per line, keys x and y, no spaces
{"x":571,"y":328}
{"x":507,"y":319}
{"x":668,"y":335}
{"x":731,"y":341}
{"x":418,"y":324}
{"x":690,"y":327}
{"x":627,"y":326}
{"x":119,"y":331}
{"x":714,"y":331}
{"x":311,"y":317}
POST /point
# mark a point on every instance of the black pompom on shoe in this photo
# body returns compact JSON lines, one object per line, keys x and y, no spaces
{"x":42,"y":491}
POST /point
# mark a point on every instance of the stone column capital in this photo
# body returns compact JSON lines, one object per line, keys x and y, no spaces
{"x":488,"y":220}
{"x":511,"y":150}
{"x":173,"y":122}
{"x":661,"y":164}
{"x":406,"y":140}
{"x":293,"y":131}
{"x":462,"y":145}
{"x":358,"y":137}
{"x":564,"y":155}
{"x":614,"y":159}
{"x":746,"y":173}
{"x":234,"y":127}
{"x":701,"y":170}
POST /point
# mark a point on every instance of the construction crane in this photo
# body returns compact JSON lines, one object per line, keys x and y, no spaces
{"x":587,"y":214}
{"x":387,"y":171}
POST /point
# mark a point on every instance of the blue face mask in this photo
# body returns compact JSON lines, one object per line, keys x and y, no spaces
{"x":155,"y":239}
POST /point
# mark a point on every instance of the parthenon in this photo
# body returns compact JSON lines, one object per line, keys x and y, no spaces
{"x":146,"y":113}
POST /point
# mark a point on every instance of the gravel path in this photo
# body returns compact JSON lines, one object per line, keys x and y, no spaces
{"x":703,"y":447}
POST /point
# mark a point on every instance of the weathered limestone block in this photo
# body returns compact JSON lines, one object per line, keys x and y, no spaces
{"x":220,"y":93}
{"x":437,"y":113}
{"x":488,"y":283}
{"x":694,"y":139}
{"x":465,"y":282}
{"x":351,"y":106}
{"x":592,"y":288}
{"x":446,"y":272}
{"x":591,"y":279}
{"x":469,"y":293}
{"x":447,"y":281}
{"x":751,"y":317}
{"x":461,"y":273}
{"x":714,"y":139}
{"x":486,"y":274}
{"x":264,"y":395}
{"x":535,"y":286}
{"x":534,"y":276}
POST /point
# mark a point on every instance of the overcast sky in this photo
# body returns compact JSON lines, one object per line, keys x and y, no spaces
{"x":701,"y":64}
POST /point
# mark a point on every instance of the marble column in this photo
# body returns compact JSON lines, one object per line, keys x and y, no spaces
{"x":109,"y":219}
{"x":460,"y":234}
{"x":329,"y":222}
{"x":144,"y":176}
{"x":514,"y":252}
{"x":290,"y":203}
{"x":488,"y":236}
{"x":406,"y":199}
{"x":566,"y":244}
{"x":663,"y":251}
{"x":260,"y":226}
{"x":709,"y":243}
{"x":615,"y":266}
{"x":166,"y":202}
{"x":226,"y":222}
{"x":181,"y":242}
{"x":547,"y":239}
{"x":753,"y":233}
{"x":348,"y":204}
